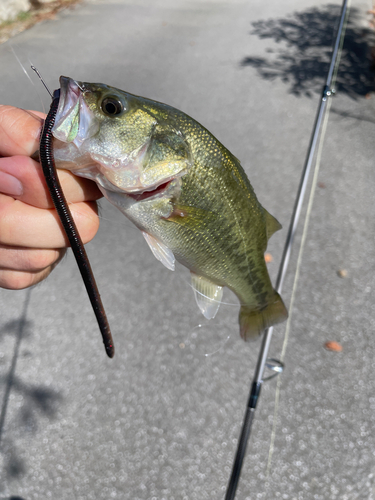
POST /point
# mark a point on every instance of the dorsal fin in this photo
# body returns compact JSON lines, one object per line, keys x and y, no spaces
{"x":272,"y":224}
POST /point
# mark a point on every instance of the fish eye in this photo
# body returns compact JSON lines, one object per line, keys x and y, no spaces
{"x":112,"y":106}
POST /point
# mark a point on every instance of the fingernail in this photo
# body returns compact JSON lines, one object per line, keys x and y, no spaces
{"x":10,"y":185}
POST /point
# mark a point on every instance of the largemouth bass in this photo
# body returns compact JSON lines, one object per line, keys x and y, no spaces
{"x":180,"y":186}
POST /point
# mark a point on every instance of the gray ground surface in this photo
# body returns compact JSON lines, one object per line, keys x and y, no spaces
{"x":161,"y":420}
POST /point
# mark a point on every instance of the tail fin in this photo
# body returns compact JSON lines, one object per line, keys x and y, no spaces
{"x":254,"y":321}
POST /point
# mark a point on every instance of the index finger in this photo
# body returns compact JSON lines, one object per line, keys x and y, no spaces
{"x":19,"y":131}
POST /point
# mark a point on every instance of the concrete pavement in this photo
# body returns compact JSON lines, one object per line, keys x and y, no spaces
{"x":161,"y":420}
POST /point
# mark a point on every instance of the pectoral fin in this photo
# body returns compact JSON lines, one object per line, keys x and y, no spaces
{"x":161,"y":252}
{"x":207,"y":294}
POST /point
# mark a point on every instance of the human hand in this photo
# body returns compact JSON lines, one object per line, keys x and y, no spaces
{"x":32,"y":240}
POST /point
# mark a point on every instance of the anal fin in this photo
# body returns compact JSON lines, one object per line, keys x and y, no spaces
{"x":160,"y":251}
{"x":207,"y":294}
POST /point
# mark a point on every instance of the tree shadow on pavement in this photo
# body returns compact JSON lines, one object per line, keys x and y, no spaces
{"x":306,"y":40}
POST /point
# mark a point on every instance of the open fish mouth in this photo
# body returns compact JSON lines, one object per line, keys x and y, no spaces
{"x":157,"y":192}
{"x":74,"y":122}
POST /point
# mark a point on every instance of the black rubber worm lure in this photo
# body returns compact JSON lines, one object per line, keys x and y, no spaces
{"x":58,"y":198}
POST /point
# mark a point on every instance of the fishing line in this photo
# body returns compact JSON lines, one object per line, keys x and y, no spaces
{"x":223,"y":344}
{"x":296,"y":279}
{"x":302,"y":245}
{"x":28,"y":76}
{"x":262,"y":358}
{"x":194,"y":335}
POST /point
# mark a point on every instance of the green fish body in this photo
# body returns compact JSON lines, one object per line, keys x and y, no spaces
{"x":180,"y":186}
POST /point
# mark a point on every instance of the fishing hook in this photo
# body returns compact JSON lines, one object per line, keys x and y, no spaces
{"x":62,"y":208}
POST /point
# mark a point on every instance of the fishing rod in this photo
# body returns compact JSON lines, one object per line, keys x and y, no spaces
{"x":258,"y":379}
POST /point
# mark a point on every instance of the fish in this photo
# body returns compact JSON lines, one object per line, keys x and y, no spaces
{"x":188,"y":195}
